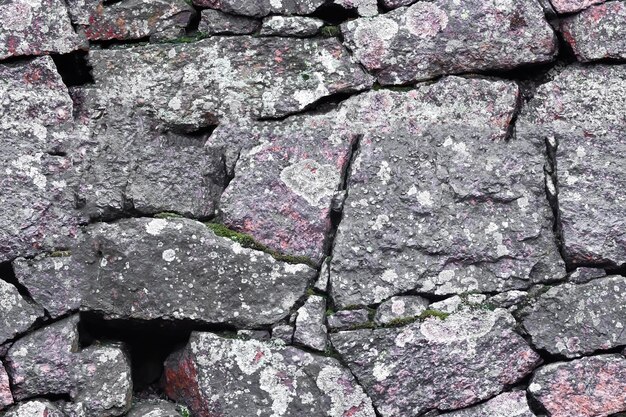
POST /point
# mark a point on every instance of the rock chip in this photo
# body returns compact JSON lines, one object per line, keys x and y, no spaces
{"x":508,"y":404}
{"x":242,"y":378}
{"x":347,"y":319}
{"x":6,"y":398}
{"x":570,"y":6}
{"x":131,"y":19}
{"x":192,"y":86}
{"x":34,"y":408}
{"x":437,"y":364}
{"x":214,"y":22}
{"x":36,"y":27}
{"x":439,"y":201}
{"x":573,"y":320}
{"x":400,"y":307}
{"x":582,"y":114}
{"x":260,"y":8}
{"x":439,"y":37}
{"x":598,"y":32}
{"x":154,"y":408}
{"x":201,"y":276}
{"x":586,"y":387}
{"x":322,"y":280}
{"x":310,"y":324}
{"x":298,"y":26}
{"x":17,"y":314}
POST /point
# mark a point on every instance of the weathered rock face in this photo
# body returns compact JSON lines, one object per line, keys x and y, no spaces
{"x":347,"y":319}
{"x":508,"y":404}
{"x":131,"y":19}
{"x":290,"y":26}
{"x":260,"y":8}
{"x":573,"y":320}
{"x":16,"y":313}
{"x":35,"y":408}
{"x":362,"y":7}
{"x":201,"y":276}
{"x":401,"y":307}
{"x":36,"y":27}
{"x":429,"y":39}
{"x":410,"y":370}
{"x":586,"y":387}
{"x":569,"y":6}
{"x":215,"y":375}
{"x":588,"y":143}
{"x":439,"y":201}
{"x":6,"y":398}
{"x":598,"y":32}
{"x":190,"y":86}
{"x":214,"y":22}
{"x":156,"y":408}
{"x":310,"y":326}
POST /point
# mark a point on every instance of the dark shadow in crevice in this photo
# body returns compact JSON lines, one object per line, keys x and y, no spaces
{"x":334,"y":14}
{"x":74,"y":68}
{"x":120,"y":43}
{"x":7,"y":274}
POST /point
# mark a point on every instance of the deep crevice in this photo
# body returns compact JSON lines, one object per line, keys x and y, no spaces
{"x":7,"y":274}
{"x":74,"y":68}
{"x":334,"y":14}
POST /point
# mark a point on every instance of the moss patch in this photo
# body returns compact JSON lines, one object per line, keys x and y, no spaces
{"x":330,"y":31}
{"x":434,"y":313}
{"x":60,"y":254}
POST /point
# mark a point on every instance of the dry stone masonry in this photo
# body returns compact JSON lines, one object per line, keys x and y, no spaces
{"x":312,"y":208}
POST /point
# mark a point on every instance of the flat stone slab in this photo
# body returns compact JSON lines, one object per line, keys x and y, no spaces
{"x":588,"y":145}
{"x":194,"y":85}
{"x":439,"y":202}
{"x":291,"y":26}
{"x":412,"y":369}
{"x":573,"y":320}
{"x":571,"y":6}
{"x":240,"y":378}
{"x":598,"y":32}
{"x":428,"y":39}
{"x":179,"y":269}
{"x":260,"y":8}
{"x":36,"y":27}
{"x":214,"y":22}
{"x":586,"y":387}
{"x":17,"y":314}
{"x":508,"y":404}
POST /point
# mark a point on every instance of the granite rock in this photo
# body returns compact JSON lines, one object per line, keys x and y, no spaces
{"x":6,"y":397}
{"x":347,"y":319}
{"x":202,"y":277}
{"x":572,"y":6}
{"x":437,"y":364}
{"x":508,"y":404}
{"x":582,"y":275}
{"x":428,"y":39}
{"x":366,"y":8}
{"x":400,"y":307}
{"x":310,"y":324}
{"x":214,"y":22}
{"x":298,"y":26}
{"x":241,"y":378}
{"x":260,"y":8}
{"x":154,"y":408}
{"x":17,"y":314}
{"x":283,"y":332}
{"x":34,"y":408}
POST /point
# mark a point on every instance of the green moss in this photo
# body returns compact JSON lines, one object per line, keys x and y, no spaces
{"x":331,"y":352}
{"x":329,"y":312}
{"x":60,"y":254}
{"x":401,"y":321}
{"x":167,"y":215}
{"x":248,"y":241}
{"x":366,"y":325}
{"x":330,"y":31}
{"x":306,"y":77}
{"x":184,"y":411}
{"x":310,"y":291}
{"x":353,"y":307}
{"x":433,"y":313}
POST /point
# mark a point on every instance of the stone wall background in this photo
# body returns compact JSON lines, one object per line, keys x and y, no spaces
{"x":343,"y":208}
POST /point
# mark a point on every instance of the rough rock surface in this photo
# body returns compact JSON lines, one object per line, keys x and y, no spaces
{"x":428,"y":39}
{"x":587,"y":387}
{"x":508,"y":404}
{"x":231,"y":377}
{"x":154,"y":408}
{"x":6,"y":398}
{"x":201,"y":276}
{"x":587,"y":146}
{"x":400,"y":307}
{"x":190,"y":86}
{"x":573,"y":320}
{"x":34,"y":408}
{"x":363,"y":7}
{"x":478,"y":351}
{"x":214,"y":22}
{"x":347,"y":319}
{"x":17,"y":314}
{"x":260,"y":8}
{"x":310,"y":327}
{"x":394,"y":4}
{"x":290,"y":26}
{"x":474,"y":217}
{"x":131,"y":19}
{"x":36,"y":27}
{"x":598,"y":32}
{"x":570,"y":6}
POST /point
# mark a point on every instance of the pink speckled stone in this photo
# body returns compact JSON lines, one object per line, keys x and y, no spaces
{"x":6,"y":398}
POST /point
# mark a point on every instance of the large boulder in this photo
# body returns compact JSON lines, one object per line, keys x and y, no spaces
{"x":35,"y":408}
{"x":437,"y":364}
{"x":439,"y":37}
{"x":215,"y":375}
{"x":179,"y":269}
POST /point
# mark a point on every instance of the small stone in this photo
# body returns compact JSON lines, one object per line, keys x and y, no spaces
{"x":154,"y":408}
{"x":17,"y":314}
{"x":598,"y":32}
{"x":583,"y":275}
{"x":570,"y":6}
{"x":439,"y":37}
{"x":508,"y":404}
{"x":310,"y":327}
{"x":348,"y":319}
{"x":214,"y":22}
{"x":410,"y":370}
{"x":400,"y":307}
{"x":36,"y":27}
{"x":573,"y":320}
{"x":283,"y":332}
{"x":254,"y":334}
{"x":322,"y":281}
{"x":586,"y":387}
{"x":238,"y":378}
{"x":508,"y":299}
{"x":6,"y":398}
{"x":366,"y":8}
{"x":34,"y":408}
{"x":260,"y":8}
{"x":297,"y":26}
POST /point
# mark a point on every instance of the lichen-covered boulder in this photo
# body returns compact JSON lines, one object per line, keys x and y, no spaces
{"x":508,"y":404}
{"x":439,"y":201}
{"x":598,"y":32}
{"x":34,"y":408}
{"x":215,"y":375}
{"x":437,"y":364}
{"x":179,"y":269}
{"x":6,"y":397}
{"x":310,"y":324}
{"x":17,"y":314}
{"x":586,"y":387}
{"x":214,"y":22}
{"x":131,"y":19}
{"x":36,"y":27}
{"x":191,"y":86}
{"x":428,"y":39}
{"x":571,"y":6}
{"x":284,"y":185}
{"x":400,"y":307}
{"x":291,"y":26}
{"x":573,"y":320}
{"x":260,"y":8}
{"x":582,"y":115}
